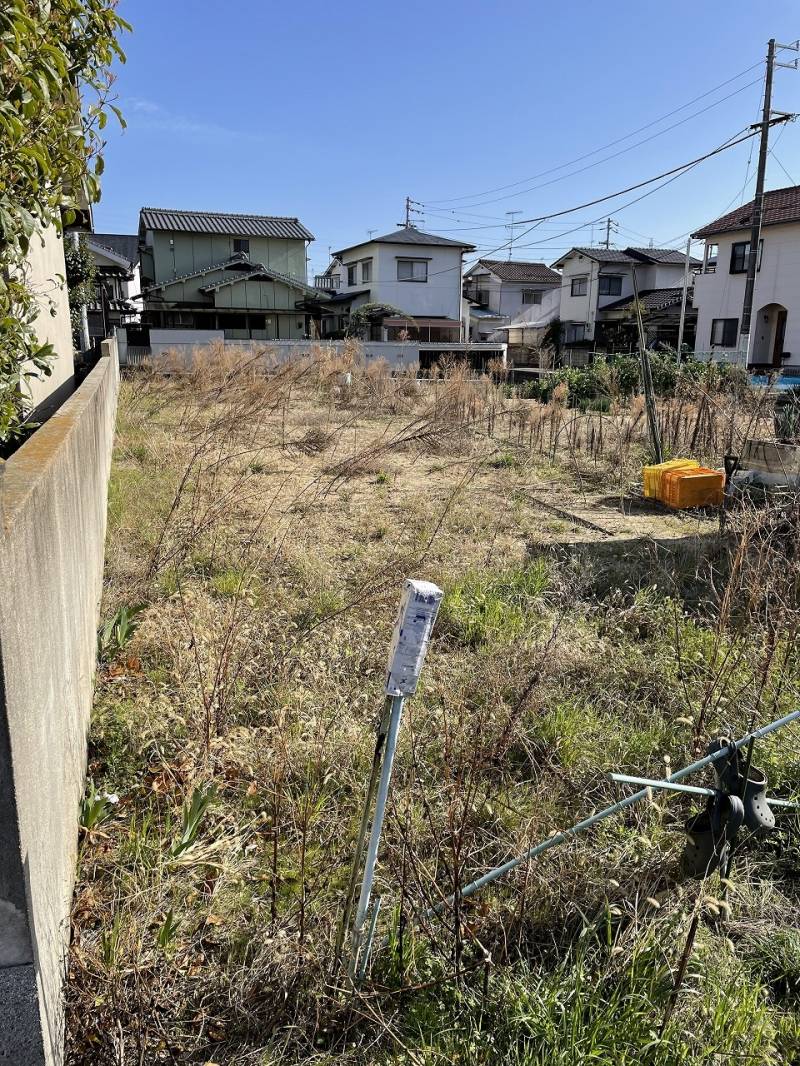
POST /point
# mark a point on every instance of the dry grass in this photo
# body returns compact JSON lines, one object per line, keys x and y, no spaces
{"x":266,"y":523}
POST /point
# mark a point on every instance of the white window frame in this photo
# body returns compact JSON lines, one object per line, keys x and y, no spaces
{"x":352,"y":273}
{"x":366,"y":271}
{"x":532,"y":296}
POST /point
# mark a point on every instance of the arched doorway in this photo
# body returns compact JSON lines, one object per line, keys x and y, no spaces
{"x":769,"y":332}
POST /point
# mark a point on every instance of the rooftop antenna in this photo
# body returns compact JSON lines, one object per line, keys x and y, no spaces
{"x":370,"y":232}
{"x":511,"y":230}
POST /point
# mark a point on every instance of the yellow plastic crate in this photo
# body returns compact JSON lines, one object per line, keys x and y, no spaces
{"x":700,"y":487}
{"x":652,"y":475}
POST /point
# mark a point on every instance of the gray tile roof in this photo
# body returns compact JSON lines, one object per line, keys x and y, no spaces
{"x":177,"y":221}
{"x":661,"y":255}
{"x":780,"y":205}
{"x":652,"y":300}
{"x":260,"y":271}
{"x":516,"y":270}
{"x":409,"y":235}
{"x":124,"y":244}
{"x":602,"y":255}
{"x":631,"y":255}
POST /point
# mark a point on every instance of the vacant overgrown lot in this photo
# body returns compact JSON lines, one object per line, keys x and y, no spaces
{"x":260,"y":528}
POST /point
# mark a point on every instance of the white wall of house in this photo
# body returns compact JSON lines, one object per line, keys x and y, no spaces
{"x":437,"y":297}
{"x":587,"y":309}
{"x":719,"y":295}
{"x":45,"y":271}
{"x":504,"y":297}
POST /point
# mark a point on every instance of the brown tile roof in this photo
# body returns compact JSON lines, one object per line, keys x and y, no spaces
{"x":516,"y":270}
{"x":780,"y":205}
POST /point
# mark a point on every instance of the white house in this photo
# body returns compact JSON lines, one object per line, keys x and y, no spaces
{"x":499,"y":291}
{"x":719,"y":289}
{"x":417,"y":273}
{"x":598,"y":282}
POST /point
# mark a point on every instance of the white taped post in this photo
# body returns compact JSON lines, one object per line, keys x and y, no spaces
{"x":419,"y":606}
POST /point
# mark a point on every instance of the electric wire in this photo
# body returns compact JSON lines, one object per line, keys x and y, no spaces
{"x":602,"y":148}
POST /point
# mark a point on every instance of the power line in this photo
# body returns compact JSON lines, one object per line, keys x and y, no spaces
{"x":614,"y":155}
{"x":610,"y":144}
{"x":671,"y":175}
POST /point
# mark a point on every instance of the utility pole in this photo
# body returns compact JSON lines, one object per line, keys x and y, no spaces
{"x":647,"y":378}
{"x":758,"y":199}
{"x":412,"y":208}
{"x":511,"y":231}
{"x":609,"y":223}
{"x":683,"y":296}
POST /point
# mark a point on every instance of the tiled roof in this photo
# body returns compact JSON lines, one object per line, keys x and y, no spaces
{"x":669,"y":256}
{"x":260,"y":271}
{"x":409,"y":235}
{"x":124,"y":244}
{"x":601,"y":255}
{"x":652,"y":300}
{"x":240,"y":267}
{"x":159,"y":218}
{"x":780,"y":205}
{"x":514,"y":270}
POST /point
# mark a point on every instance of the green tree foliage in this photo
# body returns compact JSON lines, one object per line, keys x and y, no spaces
{"x":364,"y":315}
{"x":81,"y":281}
{"x":55,"y":82}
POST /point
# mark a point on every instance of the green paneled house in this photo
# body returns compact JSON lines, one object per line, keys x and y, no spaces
{"x":244,"y":274}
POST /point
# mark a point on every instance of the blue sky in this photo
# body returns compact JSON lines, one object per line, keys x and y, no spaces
{"x":335,"y":113}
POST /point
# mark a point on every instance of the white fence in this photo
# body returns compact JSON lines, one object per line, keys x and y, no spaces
{"x":188,"y":344}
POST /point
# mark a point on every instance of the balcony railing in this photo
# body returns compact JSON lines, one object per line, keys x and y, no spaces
{"x":327,"y":281}
{"x":480,"y":296}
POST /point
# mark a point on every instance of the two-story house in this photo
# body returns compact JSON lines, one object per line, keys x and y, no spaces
{"x":118,"y":287}
{"x":209,"y":270}
{"x":417,"y":274}
{"x":499,"y":291}
{"x":719,"y":288}
{"x":597,"y":305}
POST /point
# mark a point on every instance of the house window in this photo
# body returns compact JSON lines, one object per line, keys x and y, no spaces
{"x":740,"y":252}
{"x":610,"y":285}
{"x":723,"y":332}
{"x":412,"y":270}
{"x":344,"y":322}
{"x":531,"y":296}
{"x":574,"y":331}
{"x":579,"y":286}
{"x":352,"y":274}
{"x":241,"y":244}
{"x":366,"y":271}
{"x":712,"y":250}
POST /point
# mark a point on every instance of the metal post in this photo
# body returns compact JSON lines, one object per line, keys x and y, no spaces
{"x":375,"y":832}
{"x":758,"y":202}
{"x":628,"y":801}
{"x":683,"y":297}
{"x":412,"y":632}
{"x":697,"y":790}
{"x":647,"y":378}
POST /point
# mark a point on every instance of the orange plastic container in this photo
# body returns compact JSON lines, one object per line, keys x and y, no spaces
{"x":652,"y":475}
{"x":700,"y":487}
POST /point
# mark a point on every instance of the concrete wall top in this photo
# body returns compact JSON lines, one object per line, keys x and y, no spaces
{"x":53,"y":495}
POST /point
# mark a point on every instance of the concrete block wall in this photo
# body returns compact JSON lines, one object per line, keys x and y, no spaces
{"x":53,"y":494}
